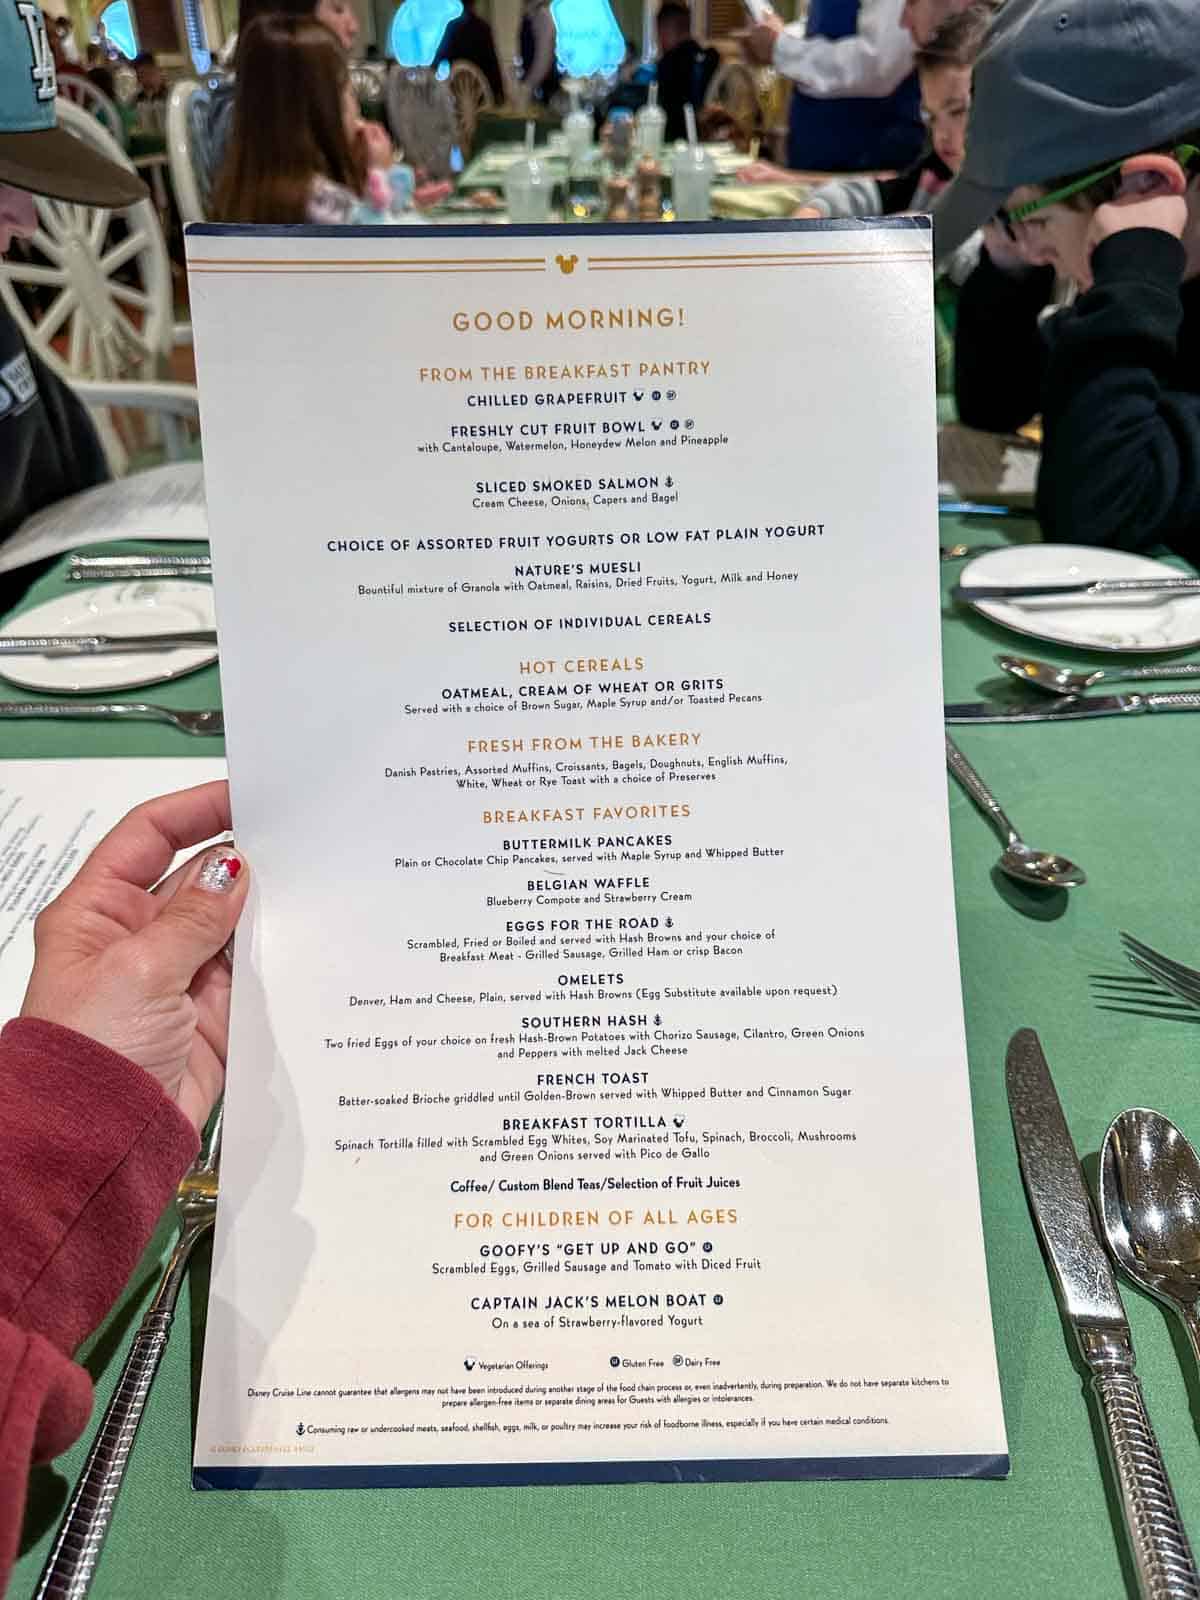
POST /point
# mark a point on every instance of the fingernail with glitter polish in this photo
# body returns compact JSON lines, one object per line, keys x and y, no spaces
{"x":220,"y":871}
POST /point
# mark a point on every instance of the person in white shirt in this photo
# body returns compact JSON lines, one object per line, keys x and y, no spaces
{"x":856,"y":104}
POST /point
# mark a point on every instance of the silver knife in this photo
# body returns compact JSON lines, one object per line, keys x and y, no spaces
{"x":136,"y":574}
{"x":1087,"y":1293}
{"x":85,"y":564}
{"x":100,"y":644}
{"x":1070,"y":708}
{"x":969,"y":593}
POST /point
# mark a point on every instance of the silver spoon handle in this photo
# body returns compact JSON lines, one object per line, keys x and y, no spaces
{"x":72,"y":708}
{"x":1180,"y":700}
{"x":1176,"y":669}
{"x":73,"y":1559}
{"x":1162,"y":1557}
{"x":979,"y":791}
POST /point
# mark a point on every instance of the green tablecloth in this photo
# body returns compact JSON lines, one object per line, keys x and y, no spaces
{"x":56,"y":739}
{"x":1118,"y":796}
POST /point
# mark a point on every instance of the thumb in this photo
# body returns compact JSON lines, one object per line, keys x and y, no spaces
{"x":197,"y":921}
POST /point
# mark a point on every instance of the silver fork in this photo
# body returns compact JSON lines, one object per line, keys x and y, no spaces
{"x":71,"y":1564}
{"x":199,"y":722}
{"x":1172,"y":975}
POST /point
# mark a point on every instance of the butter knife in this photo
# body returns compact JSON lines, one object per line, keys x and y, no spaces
{"x":142,"y":572}
{"x":968,"y":594}
{"x":82,"y":566}
{"x":99,"y":644}
{"x":1072,"y":709}
{"x":1087,"y":1293}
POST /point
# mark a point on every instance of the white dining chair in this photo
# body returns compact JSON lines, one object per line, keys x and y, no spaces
{"x":174,"y":405}
{"x":81,"y":91}
{"x":184,"y":181}
{"x":471,"y":93}
{"x":111,"y":314}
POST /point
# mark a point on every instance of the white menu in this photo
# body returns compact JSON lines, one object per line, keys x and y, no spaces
{"x":598,"y":1105}
{"x":52,"y":815}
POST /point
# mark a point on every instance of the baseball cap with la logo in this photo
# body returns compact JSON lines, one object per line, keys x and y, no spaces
{"x":35,"y":153}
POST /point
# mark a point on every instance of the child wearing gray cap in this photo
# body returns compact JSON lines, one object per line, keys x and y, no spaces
{"x":1083,"y":160}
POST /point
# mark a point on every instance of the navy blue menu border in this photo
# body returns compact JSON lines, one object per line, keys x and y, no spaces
{"x":526,"y":1474}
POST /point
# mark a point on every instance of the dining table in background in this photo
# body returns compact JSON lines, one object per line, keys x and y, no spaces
{"x":1118,"y":793}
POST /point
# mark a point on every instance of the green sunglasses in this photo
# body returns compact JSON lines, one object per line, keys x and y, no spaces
{"x":1183,"y":153}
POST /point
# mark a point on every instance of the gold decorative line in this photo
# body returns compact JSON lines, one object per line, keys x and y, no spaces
{"x":774,"y":255}
{"x":717,"y":266}
{"x":353,"y":272}
{"x":371,"y":261}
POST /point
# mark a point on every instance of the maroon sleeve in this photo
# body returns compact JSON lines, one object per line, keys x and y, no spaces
{"x":91,"y":1150}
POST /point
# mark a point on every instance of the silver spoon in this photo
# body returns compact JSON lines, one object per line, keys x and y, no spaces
{"x":1150,"y":1208}
{"x":1061,"y":680}
{"x":1039,"y":868}
{"x":963,"y":552}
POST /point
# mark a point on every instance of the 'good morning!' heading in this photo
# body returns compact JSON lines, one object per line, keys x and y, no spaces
{"x":577,"y":319}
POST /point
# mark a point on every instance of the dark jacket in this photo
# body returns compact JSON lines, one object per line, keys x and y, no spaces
{"x":48,"y":446}
{"x":684,"y":74}
{"x":1116,"y":377}
{"x":470,"y":38}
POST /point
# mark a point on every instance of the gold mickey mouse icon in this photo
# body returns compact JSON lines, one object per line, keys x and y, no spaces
{"x":567,"y":263}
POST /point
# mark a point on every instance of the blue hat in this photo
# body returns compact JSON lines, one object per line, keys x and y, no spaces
{"x":1064,"y":85}
{"x":35,"y":153}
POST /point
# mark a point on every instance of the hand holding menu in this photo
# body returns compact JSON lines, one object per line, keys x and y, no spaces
{"x":598,"y":1104}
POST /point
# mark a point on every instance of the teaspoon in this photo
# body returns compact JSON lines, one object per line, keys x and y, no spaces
{"x":1150,"y":1208}
{"x":1062,"y":680}
{"x":1040,"y":869}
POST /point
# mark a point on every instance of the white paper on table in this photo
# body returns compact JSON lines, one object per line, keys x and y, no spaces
{"x":985,"y":467}
{"x":51,"y":815}
{"x":164,"y":502}
{"x":466,"y":1260}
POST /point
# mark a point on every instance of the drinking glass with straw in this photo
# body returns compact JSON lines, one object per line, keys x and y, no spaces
{"x":527,"y":186}
{"x":651,"y":125}
{"x":691,"y":181}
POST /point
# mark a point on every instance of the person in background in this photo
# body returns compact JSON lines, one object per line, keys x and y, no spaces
{"x":855,"y":103}
{"x":1083,"y":150}
{"x":470,"y":38}
{"x":99,"y":70}
{"x":210,"y":110}
{"x":64,"y":39}
{"x":152,"y":81}
{"x":300,"y":151}
{"x":106,"y":1079}
{"x":48,"y":446}
{"x":631,"y":89}
{"x":925,"y":18}
{"x":685,"y":68}
{"x":944,"y":72}
{"x":537,"y":41}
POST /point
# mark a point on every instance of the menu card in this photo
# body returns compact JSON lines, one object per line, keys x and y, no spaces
{"x":52,"y":815}
{"x":598,"y":1105}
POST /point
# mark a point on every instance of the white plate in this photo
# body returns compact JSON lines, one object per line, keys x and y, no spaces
{"x":1143,"y":623}
{"x":117,"y":608}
